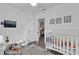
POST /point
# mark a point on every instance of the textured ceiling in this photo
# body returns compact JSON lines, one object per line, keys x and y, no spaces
{"x":26,"y":7}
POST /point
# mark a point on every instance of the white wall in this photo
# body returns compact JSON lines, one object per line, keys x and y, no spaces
{"x":32,"y":32}
{"x":58,"y":11}
{"x":9,"y":13}
{"x":27,"y":24}
{"x":61,"y":11}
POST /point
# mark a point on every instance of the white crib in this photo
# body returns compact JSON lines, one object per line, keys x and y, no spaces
{"x":65,"y":43}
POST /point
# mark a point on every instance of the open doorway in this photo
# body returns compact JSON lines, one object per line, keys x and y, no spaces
{"x":41,"y":28}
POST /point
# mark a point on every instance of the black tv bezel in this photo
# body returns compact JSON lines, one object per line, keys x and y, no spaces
{"x":9,"y":25}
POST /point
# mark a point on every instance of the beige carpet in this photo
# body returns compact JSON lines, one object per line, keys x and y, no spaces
{"x":34,"y":50}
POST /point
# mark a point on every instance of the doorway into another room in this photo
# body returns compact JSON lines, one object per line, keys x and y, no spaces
{"x":41,"y":28}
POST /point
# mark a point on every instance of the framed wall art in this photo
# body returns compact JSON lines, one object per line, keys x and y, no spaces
{"x":52,"y":21}
{"x":67,"y":19}
{"x":58,"y":20}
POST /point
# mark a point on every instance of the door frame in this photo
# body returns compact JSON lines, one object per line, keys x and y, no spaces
{"x":39,"y":20}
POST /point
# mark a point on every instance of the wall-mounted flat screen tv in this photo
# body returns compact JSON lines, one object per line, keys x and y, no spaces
{"x":9,"y":24}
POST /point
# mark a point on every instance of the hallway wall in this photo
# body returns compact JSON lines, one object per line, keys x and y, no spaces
{"x":9,"y":13}
{"x":61,"y":11}
{"x":32,"y":28}
{"x":27,"y":24}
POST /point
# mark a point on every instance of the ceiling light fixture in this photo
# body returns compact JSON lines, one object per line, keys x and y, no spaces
{"x":33,"y":4}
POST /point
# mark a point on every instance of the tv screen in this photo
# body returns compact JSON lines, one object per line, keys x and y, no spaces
{"x":8,"y":24}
